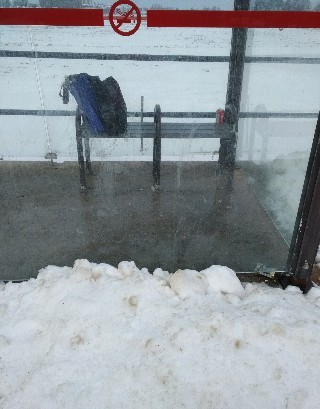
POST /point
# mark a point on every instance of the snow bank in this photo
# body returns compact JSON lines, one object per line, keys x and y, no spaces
{"x":223,"y":279}
{"x":104,"y":337}
{"x":285,"y":180}
{"x":219,"y":279}
{"x":186,"y":283}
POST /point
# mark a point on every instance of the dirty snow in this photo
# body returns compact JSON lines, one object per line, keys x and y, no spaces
{"x":96,"y":336}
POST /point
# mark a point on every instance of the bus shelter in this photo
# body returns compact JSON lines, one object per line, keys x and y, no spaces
{"x":219,"y":164}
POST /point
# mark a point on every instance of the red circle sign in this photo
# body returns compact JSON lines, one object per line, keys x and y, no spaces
{"x":122,"y":14}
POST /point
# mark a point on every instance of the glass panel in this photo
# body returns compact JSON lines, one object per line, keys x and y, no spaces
{"x":273,"y":152}
{"x":202,"y":215}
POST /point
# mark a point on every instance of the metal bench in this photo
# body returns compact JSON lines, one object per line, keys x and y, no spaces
{"x":155,"y":130}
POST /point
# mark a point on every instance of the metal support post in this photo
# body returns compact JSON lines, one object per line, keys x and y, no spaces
{"x":306,"y":237}
{"x":227,"y":153}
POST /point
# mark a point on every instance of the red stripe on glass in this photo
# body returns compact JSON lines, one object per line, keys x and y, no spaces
{"x":51,"y":17}
{"x":233,"y":19}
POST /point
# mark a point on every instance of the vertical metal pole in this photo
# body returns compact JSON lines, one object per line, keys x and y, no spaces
{"x":227,"y":153}
{"x":141,"y":121}
{"x":83,"y":185}
{"x":244,"y":126}
{"x":157,"y":148}
{"x":306,"y":236}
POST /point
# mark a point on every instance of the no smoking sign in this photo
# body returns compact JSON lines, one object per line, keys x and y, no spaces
{"x":125,"y":17}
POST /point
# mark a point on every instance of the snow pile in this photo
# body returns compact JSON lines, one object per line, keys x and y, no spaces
{"x":284,"y":187}
{"x":224,"y":280}
{"x":95,"y":336}
{"x":186,"y":283}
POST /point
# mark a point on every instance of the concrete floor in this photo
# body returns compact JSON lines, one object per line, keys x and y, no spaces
{"x":194,"y":222}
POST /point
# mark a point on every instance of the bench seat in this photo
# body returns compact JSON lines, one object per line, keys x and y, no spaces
{"x":169,"y":131}
{"x":155,"y":130}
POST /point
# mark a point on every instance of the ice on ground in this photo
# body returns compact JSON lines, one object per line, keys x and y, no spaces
{"x":93,"y":335}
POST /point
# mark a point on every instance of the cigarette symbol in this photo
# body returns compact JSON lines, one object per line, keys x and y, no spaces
{"x":118,"y":17}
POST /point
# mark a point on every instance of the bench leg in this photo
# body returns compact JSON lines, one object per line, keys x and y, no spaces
{"x":157,"y":148}
{"x":83,"y":185}
{"x":87,"y":155}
